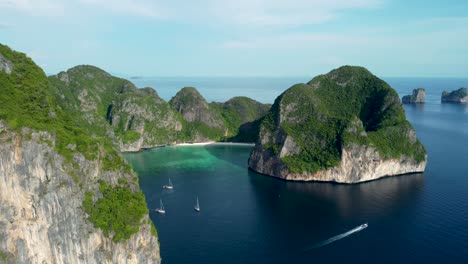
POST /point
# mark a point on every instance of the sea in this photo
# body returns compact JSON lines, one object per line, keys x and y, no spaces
{"x":250,"y":218}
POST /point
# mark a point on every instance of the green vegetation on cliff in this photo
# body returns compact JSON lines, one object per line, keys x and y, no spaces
{"x":231,"y":121}
{"x":115,"y":108}
{"x":119,"y":211}
{"x":319,"y":116}
{"x":28,"y":100}
{"x":241,"y":115}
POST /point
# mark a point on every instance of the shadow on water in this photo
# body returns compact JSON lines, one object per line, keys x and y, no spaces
{"x":236,"y":155}
{"x":416,"y":107}
{"x":454,"y":108}
{"x":307,"y":213}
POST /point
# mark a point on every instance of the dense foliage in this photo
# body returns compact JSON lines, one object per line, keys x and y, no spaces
{"x":241,"y":115}
{"x":318,"y":116}
{"x":28,"y":100}
{"x":118,"y":213}
{"x":111,"y":103}
{"x":229,"y":121}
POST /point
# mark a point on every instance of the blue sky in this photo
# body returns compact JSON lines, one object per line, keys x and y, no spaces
{"x":243,"y":37}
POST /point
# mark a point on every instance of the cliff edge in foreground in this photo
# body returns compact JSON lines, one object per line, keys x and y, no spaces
{"x":346,"y":126}
{"x":66,"y":194}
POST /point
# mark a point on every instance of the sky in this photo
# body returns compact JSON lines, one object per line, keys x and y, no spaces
{"x":392,"y":38}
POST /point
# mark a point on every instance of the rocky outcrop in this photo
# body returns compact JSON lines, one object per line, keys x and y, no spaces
{"x":5,"y":65}
{"x":459,"y":96}
{"x":346,"y":126}
{"x":42,"y":219}
{"x":52,"y":167}
{"x":418,"y":97}
{"x":359,"y":163}
{"x":194,"y":108}
{"x":138,"y":118}
{"x":134,"y":118}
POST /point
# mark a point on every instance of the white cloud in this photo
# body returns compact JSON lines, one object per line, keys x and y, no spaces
{"x":252,"y":13}
{"x":384,"y":50}
{"x":290,"y":41}
{"x":145,"y":8}
{"x":255,"y":13}
{"x":35,"y":7}
{"x":279,"y":12}
{"x":5,"y":25}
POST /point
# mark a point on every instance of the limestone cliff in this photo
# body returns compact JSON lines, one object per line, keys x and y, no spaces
{"x":418,"y":97}
{"x":346,"y":126}
{"x":231,"y":120}
{"x":194,"y":108}
{"x":41,"y":215}
{"x":53,"y":170}
{"x":459,"y":96}
{"x":135,"y":118}
{"x":138,"y":118}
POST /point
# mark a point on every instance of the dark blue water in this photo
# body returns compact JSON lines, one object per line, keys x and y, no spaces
{"x":249,"y":218}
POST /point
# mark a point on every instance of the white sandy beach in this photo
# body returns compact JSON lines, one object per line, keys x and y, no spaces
{"x":215,"y":143}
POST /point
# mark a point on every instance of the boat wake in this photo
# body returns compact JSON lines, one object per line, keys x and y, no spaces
{"x":338,"y":237}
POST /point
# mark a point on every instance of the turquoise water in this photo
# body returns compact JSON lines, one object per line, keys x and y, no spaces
{"x":250,"y":218}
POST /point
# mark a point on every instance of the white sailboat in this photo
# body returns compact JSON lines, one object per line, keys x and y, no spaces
{"x":161,"y":208}
{"x":170,"y":186}
{"x":197,"y":206}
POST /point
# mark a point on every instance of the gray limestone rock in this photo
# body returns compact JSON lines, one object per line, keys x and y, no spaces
{"x":418,"y":97}
{"x":5,"y":65}
{"x":41,"y":214}
{"x":459,"y":96}
{"x":326,"y":131}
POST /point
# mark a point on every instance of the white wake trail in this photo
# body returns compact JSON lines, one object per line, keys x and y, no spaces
{"x":338,"y":237}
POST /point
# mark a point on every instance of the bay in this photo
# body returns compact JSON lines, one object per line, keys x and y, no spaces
{"x":250,"y":218}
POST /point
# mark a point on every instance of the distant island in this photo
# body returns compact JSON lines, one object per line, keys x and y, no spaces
{"x":418,"y":97}
{"x":346,"y":126}
{"x":459,"y":96}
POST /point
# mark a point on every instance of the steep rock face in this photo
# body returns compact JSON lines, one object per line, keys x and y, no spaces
{"x":5,"y":65}
{"x":51,"y":163}
{"x":194,"y":108}
{"x":234,"y":120}
{"x":42,"y":220}
{"x":459,"y":96}
{"x":139,"y":118}
{"x":418,"y":97}
{"x":346,"y":126}
{"x":135,"y":118}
